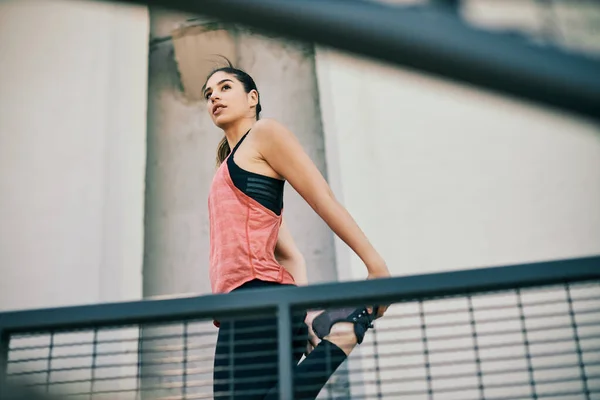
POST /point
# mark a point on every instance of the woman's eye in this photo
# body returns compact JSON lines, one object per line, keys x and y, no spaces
{"x":226,"y":87}
{"x":207,"y":96}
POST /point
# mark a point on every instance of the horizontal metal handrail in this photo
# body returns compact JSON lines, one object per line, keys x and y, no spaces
{"x":250,"y":302}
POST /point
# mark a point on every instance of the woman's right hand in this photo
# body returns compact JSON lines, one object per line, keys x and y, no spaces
{"x":379,"y":272}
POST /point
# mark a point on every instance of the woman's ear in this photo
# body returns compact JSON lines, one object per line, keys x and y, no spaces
{"x":253,"y":98}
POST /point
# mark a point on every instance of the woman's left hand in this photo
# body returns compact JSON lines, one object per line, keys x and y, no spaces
{"x":313,"y":339}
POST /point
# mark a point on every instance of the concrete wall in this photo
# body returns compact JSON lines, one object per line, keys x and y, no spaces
{"x":72,"y":143}
{"x":444,"y":177}
{"x":72,"y":161}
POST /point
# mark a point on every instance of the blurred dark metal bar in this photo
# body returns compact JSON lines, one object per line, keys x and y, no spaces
{"x":284,"y":343}
{"x":448,"y":5}
{"x":4,"y":346}
{"x":252,"y":302}
{"x":424,"y":39}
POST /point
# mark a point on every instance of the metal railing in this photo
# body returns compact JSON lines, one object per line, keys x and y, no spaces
{"x":547,"y":310}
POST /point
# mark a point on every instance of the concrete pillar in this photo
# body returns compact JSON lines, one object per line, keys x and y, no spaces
{"x":182,"y":143}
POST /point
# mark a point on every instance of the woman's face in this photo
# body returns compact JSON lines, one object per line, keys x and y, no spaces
{"x":227,"y":100}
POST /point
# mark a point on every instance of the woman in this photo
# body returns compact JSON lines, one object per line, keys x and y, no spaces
{"x":251,"y":247}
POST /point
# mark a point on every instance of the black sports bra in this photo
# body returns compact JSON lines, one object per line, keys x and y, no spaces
{"x":266,"y":190}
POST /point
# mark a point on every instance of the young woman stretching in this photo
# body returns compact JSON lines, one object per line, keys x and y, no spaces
{"x":251,"y":247}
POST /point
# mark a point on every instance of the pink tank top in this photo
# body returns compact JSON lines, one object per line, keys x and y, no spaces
{"x":243,"y":235}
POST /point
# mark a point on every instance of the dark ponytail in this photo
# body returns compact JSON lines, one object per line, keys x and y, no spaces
{"x":223,"y":149}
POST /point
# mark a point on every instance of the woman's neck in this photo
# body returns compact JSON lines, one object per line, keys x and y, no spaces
{"x":234,"y":132}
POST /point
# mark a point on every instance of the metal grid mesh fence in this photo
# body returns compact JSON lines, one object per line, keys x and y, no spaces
{"x":519,"y":344}
{"x":535,"y":343}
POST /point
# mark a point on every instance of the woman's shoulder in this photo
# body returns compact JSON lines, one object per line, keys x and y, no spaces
{"x":267,"y":125}
{"x":270,"y":129}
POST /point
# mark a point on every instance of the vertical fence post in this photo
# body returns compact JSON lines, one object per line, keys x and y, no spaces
{"x":286,"y":381}
{"x":4,"y":342}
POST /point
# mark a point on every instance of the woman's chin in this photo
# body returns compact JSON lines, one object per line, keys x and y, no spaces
{"x":221,"y":121}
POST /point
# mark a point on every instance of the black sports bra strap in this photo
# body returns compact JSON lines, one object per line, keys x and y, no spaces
{"x":240,"y":142}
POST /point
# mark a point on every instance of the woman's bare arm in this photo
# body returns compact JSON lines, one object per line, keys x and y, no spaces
{"x":289,"y":256}
{"x":282,"y":151}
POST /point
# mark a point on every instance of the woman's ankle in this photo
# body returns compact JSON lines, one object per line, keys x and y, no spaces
{"x":343,"y":336}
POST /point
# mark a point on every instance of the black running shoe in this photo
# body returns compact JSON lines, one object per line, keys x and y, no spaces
{"x":360,"y":317}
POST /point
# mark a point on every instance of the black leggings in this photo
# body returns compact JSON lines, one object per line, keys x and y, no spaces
{"x":246,"y":360}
